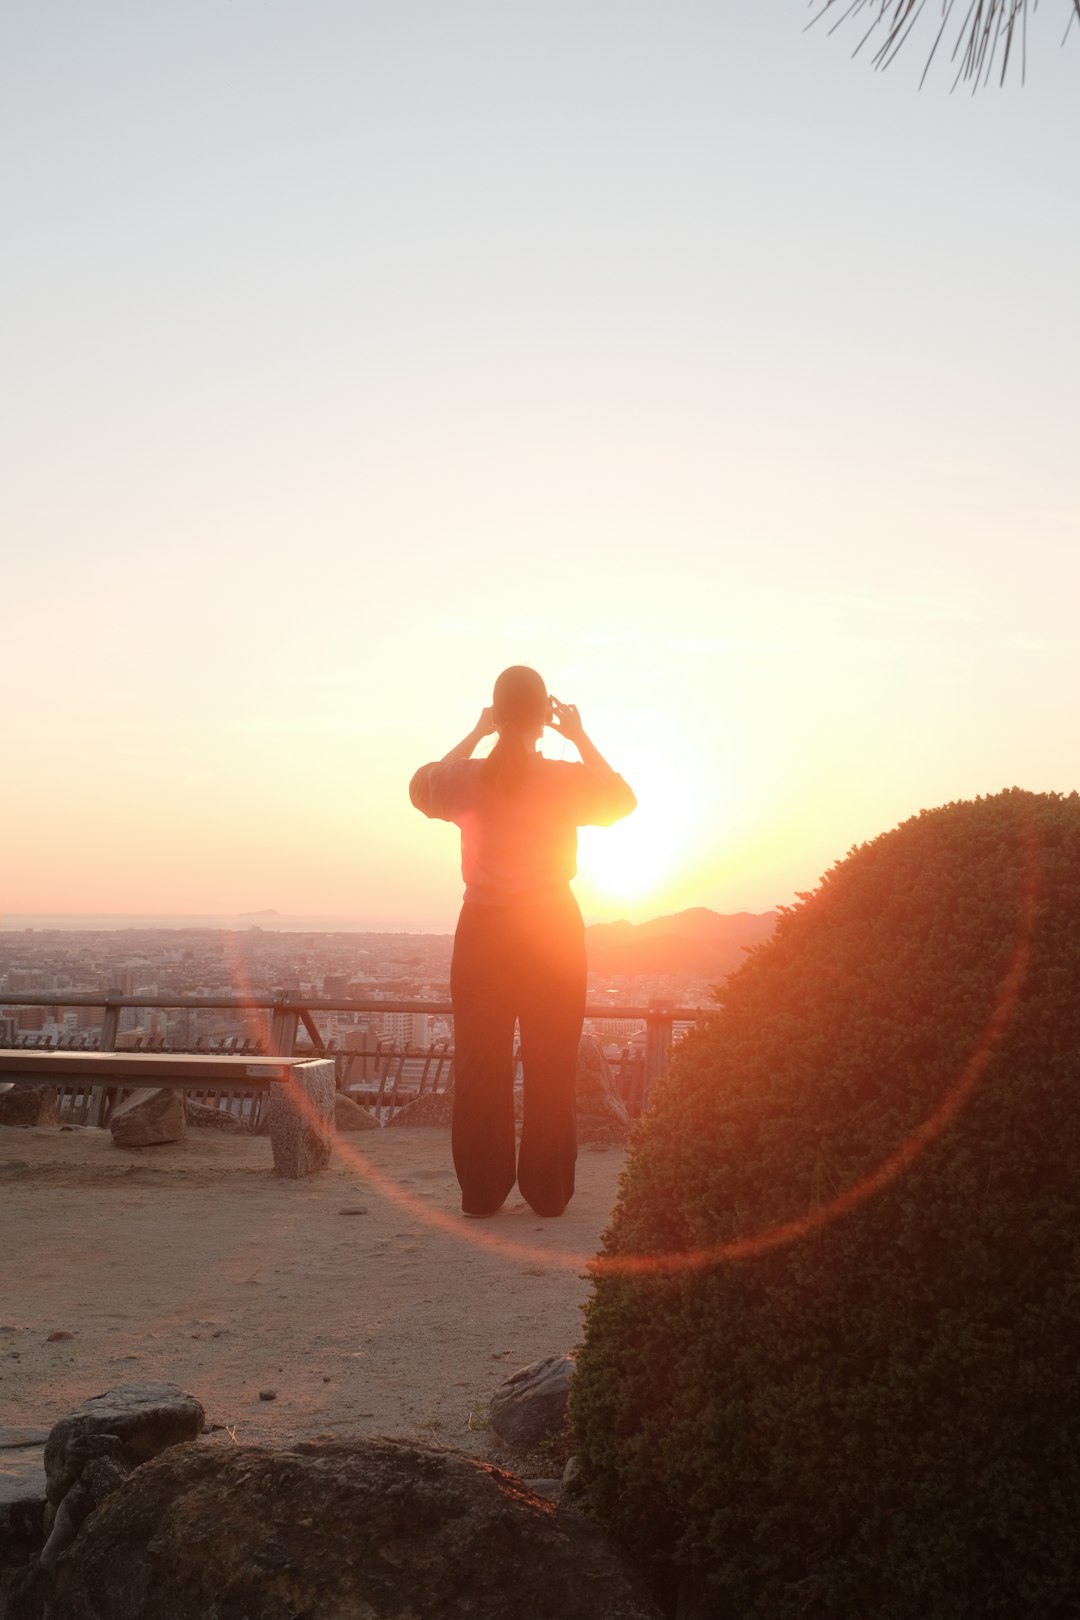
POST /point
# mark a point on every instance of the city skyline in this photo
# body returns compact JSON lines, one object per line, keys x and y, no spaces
{"x":359,"y":352}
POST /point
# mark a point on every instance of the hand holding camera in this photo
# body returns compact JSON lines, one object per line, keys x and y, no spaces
{"x":564,"y":718}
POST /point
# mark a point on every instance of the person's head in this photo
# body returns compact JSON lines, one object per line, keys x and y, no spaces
{"x":520,"y":703}
{"x":520,"y":706}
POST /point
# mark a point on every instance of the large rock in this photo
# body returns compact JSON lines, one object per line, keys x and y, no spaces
{"x":433,"y":1108}
{"x":300,"y":1118}
{"x":150,"y":1115}
{"x":360,"y":1530}
{"x":29,"y":1105}
{"x":143,"y":1418}
{"x":531,"y":1404}
{"x":602,"y":1116}
{"x":22,"y":1496}
{"x":349,"y":1116}
{"x":203,"y":1116}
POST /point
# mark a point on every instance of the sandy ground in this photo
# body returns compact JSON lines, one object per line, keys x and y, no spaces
{"x":360,"y":1295}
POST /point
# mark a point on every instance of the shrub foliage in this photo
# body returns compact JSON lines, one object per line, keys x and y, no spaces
{"x":849,"y":1385}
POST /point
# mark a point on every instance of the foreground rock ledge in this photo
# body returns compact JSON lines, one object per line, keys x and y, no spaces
{"x":357,"y":1530}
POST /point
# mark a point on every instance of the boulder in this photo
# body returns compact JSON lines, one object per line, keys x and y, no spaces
{"x":150,"y":1115}
{"x":433,"y":1108}
{"x":531,"y":1404}
{"x":29,"y":1105}
{"x":22,"y":1496}
{"x":143,"y":1418}
{"x":602,"y":1116}
{"x":360,"y":1530}
{"x":202,"y":1115}
{"x":349,"y":1116}
{"x":300,"y":1118}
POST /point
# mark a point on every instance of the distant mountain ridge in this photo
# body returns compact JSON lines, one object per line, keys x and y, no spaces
{"x":699,"y":942}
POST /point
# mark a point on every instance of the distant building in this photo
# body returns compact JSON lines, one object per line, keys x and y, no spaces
{"x":26,"y":979}
{"x":414,"y":1028}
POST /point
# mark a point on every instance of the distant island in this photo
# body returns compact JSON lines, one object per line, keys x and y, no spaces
{"x":699,"y":942}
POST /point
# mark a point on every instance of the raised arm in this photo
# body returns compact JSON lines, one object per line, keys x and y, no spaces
{"x":566,"y":720}
{"x":465,"y":748}
{"x":436,"y":792}
{"x":610,"y":797}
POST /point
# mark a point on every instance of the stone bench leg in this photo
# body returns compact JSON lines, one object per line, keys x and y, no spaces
{"x":300,"y":1114}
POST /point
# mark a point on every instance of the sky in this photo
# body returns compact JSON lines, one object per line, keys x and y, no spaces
{"x":356,"y":349}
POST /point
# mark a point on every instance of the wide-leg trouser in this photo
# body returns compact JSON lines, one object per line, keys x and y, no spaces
{"x":524,"y":963}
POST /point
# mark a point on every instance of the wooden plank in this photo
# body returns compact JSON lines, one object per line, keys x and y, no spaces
{"x":38,"y":1066}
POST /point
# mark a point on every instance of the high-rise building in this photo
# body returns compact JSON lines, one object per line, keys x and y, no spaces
{"x":407,"y":1027}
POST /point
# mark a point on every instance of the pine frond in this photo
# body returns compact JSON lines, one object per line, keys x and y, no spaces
{"x":989,"y":34}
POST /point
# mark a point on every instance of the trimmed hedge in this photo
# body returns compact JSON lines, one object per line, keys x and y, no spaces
{"x":879,"y":1417}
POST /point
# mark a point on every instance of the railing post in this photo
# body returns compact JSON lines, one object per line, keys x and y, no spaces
{"x":658,"y":1037}
{"x":99,"y":1098}
{"x":111,"y":1027}
{"x":316,"y":1039}
{"x":283,"y":1026}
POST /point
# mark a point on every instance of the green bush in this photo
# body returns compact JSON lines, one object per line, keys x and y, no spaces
{"x":831,"y":1363}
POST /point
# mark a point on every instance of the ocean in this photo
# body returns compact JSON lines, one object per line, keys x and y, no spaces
{"x":270,"y":922}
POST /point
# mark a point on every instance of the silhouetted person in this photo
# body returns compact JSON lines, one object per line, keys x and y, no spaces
{"x":519,"y":950}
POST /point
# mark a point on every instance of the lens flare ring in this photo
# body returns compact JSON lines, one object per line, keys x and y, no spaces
{"x":785,"y":1232}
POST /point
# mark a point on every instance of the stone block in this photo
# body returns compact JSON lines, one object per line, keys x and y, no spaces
{"x":300,"y":1114}
{"x":151,"y":1115}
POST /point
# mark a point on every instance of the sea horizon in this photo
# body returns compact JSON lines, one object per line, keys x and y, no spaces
{"x":266,"y":921}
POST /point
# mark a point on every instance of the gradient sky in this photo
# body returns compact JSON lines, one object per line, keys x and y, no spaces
{"x":355,"y":350}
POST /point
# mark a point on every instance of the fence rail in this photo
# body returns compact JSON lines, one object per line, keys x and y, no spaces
{"x":387,"y":1075}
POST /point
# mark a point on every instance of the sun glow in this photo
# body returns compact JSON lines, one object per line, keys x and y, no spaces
{"x":640,"y":855}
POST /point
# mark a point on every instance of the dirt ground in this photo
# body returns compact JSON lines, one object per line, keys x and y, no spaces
{"x":360,"y":1296}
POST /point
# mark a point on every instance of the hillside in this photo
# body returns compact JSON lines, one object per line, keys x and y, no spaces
{"x":699,"y":943}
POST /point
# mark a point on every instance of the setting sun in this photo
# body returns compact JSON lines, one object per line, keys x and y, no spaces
{"x":638,"y":857}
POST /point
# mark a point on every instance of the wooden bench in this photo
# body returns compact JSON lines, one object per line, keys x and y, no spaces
{"x":300,"y":1090}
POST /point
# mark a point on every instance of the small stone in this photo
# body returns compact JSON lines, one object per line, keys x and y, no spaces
{"x":353,"y":1209}
{"x":326,"y":1378}
{"x":61,"y":1333}
{"x":268,"y":1394}
{"x":531,"y":1404}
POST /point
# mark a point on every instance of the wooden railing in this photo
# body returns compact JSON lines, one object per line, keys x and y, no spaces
{"x":382,"y":1067}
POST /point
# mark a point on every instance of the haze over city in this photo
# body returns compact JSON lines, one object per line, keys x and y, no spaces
{"x":356,"y":352}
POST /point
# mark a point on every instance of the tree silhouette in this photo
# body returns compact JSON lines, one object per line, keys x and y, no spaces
{"x":989,"y":31}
